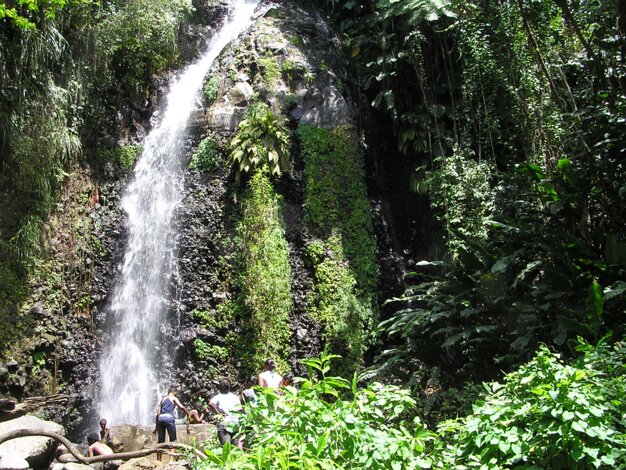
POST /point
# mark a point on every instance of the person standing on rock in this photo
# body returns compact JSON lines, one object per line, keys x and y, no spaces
{"x":105,"y":432}
{"x":165,"y":420}
{"x":268,"y":378}
{"x":96,"y":447}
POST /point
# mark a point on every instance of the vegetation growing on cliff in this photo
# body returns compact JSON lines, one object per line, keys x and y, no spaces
{"x":263,"y":277}
{"x":341,"y":246}
{"x":59,"y":95}
{"x":261,"y":141}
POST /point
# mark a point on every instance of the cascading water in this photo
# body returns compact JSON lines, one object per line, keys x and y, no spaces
{"x":130,"y":367}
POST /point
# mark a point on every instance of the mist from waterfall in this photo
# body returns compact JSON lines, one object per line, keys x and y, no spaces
{"x":134,"y":365}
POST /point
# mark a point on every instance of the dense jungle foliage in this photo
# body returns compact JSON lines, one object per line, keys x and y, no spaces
{"x":511,"y":115}
{"x":547,"y":414}
{"x":66,"y":67}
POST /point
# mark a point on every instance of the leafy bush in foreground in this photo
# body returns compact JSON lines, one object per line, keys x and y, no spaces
{"x":547,"y":414}
{"x":327,"y":424}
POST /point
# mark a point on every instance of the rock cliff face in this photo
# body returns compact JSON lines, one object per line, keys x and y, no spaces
{"x":290,"y":59}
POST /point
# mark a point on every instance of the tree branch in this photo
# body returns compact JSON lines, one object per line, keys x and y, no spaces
{"x":98,"y":458}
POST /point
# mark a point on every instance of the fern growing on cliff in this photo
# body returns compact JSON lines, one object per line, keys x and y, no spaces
{"x":262,"y":139}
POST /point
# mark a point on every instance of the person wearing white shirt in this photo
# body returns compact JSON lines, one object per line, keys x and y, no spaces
{"x":268,"y":378}
{"x":224,"y":404}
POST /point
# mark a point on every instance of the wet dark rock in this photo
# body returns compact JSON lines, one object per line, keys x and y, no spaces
{"x":188,"y":335}
{"x":209,"y":12}
{"x":38,"y":310}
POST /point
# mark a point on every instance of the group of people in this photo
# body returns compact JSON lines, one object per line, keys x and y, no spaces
{"x":224,"y":405}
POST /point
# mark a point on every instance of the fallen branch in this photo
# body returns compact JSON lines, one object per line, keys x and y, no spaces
{"x":11,"y":410}
{"x":98,"y":458}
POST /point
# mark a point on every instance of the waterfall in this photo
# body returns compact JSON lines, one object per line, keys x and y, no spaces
{"x":135,"y":362}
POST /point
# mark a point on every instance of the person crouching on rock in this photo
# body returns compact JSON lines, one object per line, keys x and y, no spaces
{"x":105,"y":432}
{"x":165,"y":417}
{"x":196,"y":416}
{"x":96,"y":447}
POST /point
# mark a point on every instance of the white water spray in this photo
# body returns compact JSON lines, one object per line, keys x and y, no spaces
{"x":134,"y":359}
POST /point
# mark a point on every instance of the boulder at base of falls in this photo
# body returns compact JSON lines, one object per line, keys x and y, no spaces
{"x":13,"y":462}
{"x":79,"y":466}
{"x":146,"y":463}
{"x":36,"y":450}
{"x":141,"y":463}
{"x":127,"y":437}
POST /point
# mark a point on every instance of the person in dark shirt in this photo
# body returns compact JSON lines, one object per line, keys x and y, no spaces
{"x":165,"y":420}
{"x":248,"y":395}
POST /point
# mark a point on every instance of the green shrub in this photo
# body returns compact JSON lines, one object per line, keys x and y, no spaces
{"x":262,"y":140}
{"x":211,"y":88}
{"x":270,"y":70}
{"x":207,"y":157}
{"x":291,"y":69}
{"x":12,"y":289}
{"x":209,"y":320}
{"x":141,"y":39}
{"x":336,"y":196}
{"x":39,"y":362}
{"x":547,"y":415}
{"x":334,"y":302}
{"x":125,"y":155}
{"x":291,"y":100}
{"x":26,"y":14}
{"x":327,"y":424}
{"x":462,"y":198}
{"x":206,"y":351}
